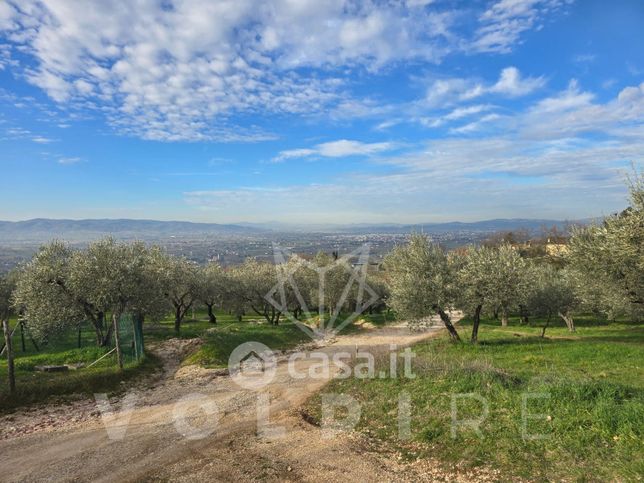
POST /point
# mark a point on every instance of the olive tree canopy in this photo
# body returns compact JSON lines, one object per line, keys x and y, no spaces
{"x":610,"y":256}
{"x":421,"y":281}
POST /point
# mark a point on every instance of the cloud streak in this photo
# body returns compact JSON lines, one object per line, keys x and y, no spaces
{"x":336,"y":149}
{"x":541,"y":162}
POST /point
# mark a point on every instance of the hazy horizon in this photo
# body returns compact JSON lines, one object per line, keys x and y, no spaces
{"x":286,"y":223}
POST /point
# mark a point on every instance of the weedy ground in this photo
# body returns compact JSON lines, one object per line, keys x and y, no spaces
{"x":585,"y":389}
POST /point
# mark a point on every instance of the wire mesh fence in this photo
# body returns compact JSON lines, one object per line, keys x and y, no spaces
{"x":131,"y":338}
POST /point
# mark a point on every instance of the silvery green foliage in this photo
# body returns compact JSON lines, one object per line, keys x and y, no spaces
{"x":61,"y":288}
{"x":378,"y":283}
{"x":596,"y":296}
{"x":178,"y":279}
{"x":252,"y":281}
{"x":44,"y":295}
{"x":329,"y":282}
{"x":478,"y":281}
{"x":490,"y":279}
{"x":508,"y":278}
{"x":118,"y":276}
{"x":212,"y":284}
{"x":610,"y":257}
{"x":552,"y":292}
{"x":421,"y":280}
{"x":299,"y":282}
{"x":7,"y":288}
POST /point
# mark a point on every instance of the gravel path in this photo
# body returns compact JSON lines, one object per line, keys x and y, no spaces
{"x":70,"y":442}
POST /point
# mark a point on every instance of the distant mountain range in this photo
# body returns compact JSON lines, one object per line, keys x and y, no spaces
{"x":82,"y":230}
{"x":41,"y":229}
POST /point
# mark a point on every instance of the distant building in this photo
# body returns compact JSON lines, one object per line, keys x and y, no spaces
{"x":556,"y":248}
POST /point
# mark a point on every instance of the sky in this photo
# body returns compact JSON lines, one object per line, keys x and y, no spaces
{"x":314,"y":111}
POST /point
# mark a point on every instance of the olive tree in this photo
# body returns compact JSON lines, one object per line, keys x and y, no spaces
{"x":421,"y":281}
{"x":476,"y":283}
{"x":331,"y":288}
{"x":7,"y":288}
{"x":552,"y":294}
{"x":299,"y":281}
{"x":212,"y":288}
{"x":252,"y":282}
{"x":118,"y":277}
{"x":598,"y":297}
{"x":179,"y":281}
{"x":611,"y":255}
{"x":378,"y":283}
{"x":50,"y":302}
{"x":507,"y":280}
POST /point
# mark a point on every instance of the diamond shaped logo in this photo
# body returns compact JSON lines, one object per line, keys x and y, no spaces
{"x":365,"y":296}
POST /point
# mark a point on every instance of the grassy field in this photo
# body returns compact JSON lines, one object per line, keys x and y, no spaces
{"x":219,"y":341}
{"x":35,"y":386}
{"x":593,"y":417}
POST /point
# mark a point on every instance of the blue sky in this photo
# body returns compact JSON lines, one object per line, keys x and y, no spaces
{"x":319,"y":111}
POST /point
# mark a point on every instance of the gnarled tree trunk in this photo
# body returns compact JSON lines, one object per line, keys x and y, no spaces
{"x":212,"y":318}
{"x":9,"y":349}
{"x":504,"y":317}
{"x":475,"y":325}
{"x":448,"y":324}
{"x":567,"y":318}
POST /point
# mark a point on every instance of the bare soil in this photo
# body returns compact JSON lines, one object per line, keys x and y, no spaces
{"x":69,"y":442}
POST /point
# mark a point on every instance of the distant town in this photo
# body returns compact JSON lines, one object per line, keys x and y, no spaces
{"x":232,"y":244}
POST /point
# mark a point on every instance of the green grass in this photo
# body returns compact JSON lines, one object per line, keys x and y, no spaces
{"x":222,"y":339}
{"x":595,"y":411}
{"x":191,"y":327}
{"x":33,"y":386}
{"x":219,"y":341}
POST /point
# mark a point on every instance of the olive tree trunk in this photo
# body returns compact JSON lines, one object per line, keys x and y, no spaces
{"x":9,"y":349}
{"x":504,"y":317}
{"x":212,"y":318}
{"x":567,"y":318}
{"x":448,"y":325}
{"x":475,"y":325}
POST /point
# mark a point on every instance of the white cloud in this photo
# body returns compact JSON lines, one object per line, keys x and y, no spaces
{"x":446,"y":92}
{"x":511,"y":84}
{"x":503,"y":23}
{"x":455,"y":115}
{"x":183,"y":70}
{"x":69,"y":160}
{"x":574,"y":112}
{"x":294,"y":153}
{"x":180,"y":71}
{"x":571,"y":98}
{"x":545,"y":160}
{"x":344,"y":147}
{"x":42,"y":140}
{"x":336,"y":149}
{"x":7,"y":15}
{"x":475,"y":125}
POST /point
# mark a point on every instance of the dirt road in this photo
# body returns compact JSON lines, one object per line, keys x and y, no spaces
{"x":150,"y":444}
